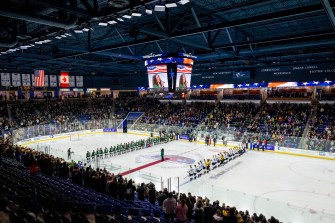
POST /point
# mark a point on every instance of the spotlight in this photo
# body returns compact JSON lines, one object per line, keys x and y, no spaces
{"x":183,"y":2}
{"x":160,"y":8}
{"x":126,"y":16}
{"x":171,"y":5}
{"x":78,"y":31}
{"x":58,"y":37}
{"x":112,"y":22}
{"x":148,"y":11}
{"x":137,"y":14}
{"x":103,"y":24}
{"x":121,"y":20}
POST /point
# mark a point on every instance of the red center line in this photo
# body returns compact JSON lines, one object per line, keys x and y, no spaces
{"x":142,"y":167}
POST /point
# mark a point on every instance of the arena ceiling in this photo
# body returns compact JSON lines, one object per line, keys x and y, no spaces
{"x":224,"y":34}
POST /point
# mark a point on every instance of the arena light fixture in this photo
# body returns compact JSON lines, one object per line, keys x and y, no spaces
{"x":78,"y":31}
{"x":120,"y":19}
{"x":103,"y":24}
{"x":58,"y":37}
{"x":126,"y":16}
{"x":86,"y":27}
{"x":112,"y":22}
{"x":170,"y":5}
{"x":159,"y":8}
{"x":183,"y":2}
{"x":136,"y":14}
{"x":148,"y":11}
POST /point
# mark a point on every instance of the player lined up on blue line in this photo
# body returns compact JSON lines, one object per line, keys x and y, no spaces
{"x":205,"y":166}
{"x":126,"y":147}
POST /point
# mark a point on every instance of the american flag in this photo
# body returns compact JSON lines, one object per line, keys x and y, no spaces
{"x":39,"y":78}
{"x":184,"y":69}
{"x":157,"y":69}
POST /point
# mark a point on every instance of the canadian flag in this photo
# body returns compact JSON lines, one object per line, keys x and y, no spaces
{"x":64,"y":79}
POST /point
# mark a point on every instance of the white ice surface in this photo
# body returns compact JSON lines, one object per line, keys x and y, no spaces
{"x":291,"y":188}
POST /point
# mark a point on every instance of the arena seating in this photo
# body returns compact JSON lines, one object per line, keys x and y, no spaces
{"x":322,"y":130}
{"x":84,"y":193}
{"x":242,"y":97}
{"x":59,"y":195}
{"x":327,"y":97}
{"x":289,"y":94}
{"x":204,"y":97}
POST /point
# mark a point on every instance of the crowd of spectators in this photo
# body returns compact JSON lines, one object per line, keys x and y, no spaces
{"x":281,"y":119}
{"x":188,"y":115}
{"x":323,"y":123}
{"x":279,"y":122}
{"x":182,"y":207}
{"x":242,"y":97}
{"x":322,"y":129}
{"x":327,"y":97}
{"x":226,"y":115}
{"x":204,"y":97}
{"x":289,"y":94}
{"x":33,"y":113}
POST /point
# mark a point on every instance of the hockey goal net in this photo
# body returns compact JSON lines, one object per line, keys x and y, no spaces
{"x":74,"y":137}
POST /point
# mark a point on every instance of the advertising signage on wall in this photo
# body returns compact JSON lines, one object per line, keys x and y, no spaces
{"x":299,"y":73}
{"x":298,"y":70}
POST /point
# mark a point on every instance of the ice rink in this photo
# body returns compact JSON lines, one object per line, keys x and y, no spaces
{"x":291,"y":188}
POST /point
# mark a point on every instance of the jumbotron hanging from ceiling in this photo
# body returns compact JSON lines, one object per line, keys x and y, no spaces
{"x":169,"y":72}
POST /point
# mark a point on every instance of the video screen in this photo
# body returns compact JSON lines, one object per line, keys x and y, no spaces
{"x":183,"y":76}
{"x":157,"y":76}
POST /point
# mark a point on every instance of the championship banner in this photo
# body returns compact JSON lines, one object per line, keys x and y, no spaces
{"x":16,"y":79}
{"x":80,"y":81}
{"x":72,"y":81}
{"x":33,"y":82}
{"x":64,"y":79}
{"x":26,"y":80}
{"x":53,"y":80}
{"x":46,"y":80}
{"x":5,"y":79}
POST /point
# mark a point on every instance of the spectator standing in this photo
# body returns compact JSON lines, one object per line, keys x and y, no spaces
{"x":130,"y":191}
{"x":198,"y":213}
{"x":169,"y":207}
{"x":181,"y":211}
{"x":32,"y":166}
{"x":141,"y":191}
{"x":152,"y":193}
